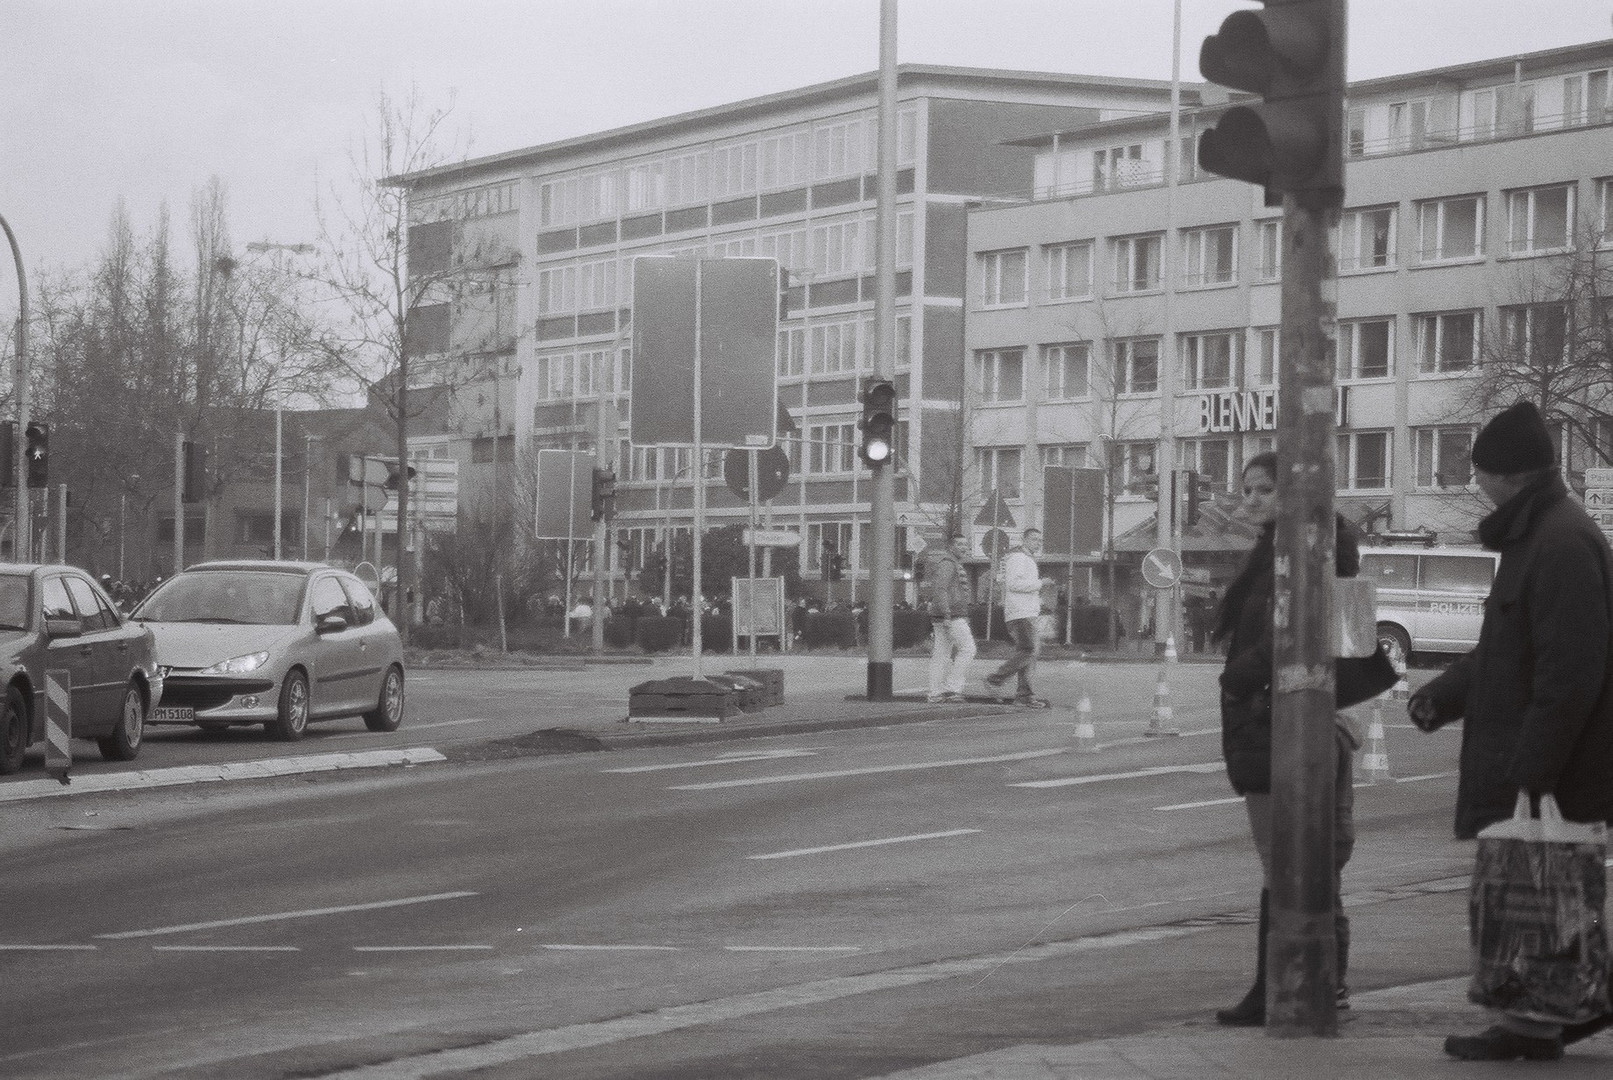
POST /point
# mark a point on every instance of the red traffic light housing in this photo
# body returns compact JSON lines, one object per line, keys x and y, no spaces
{"x":1292,"y":54}
{"x":878,"y":422}
{"x":603,"y":505}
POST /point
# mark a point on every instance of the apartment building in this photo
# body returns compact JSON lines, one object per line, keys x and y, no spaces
{"x":1111,"y":307}
{"x":549,"y":235}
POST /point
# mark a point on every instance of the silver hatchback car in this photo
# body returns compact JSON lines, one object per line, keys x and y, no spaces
{"x":280,"y":644}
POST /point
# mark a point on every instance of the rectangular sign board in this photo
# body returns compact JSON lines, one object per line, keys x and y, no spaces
{"x":565,"y":495}
{"x":772,"y":537}
{"x":433,"y":496}
{"x":759,"y":610}
{"x":1072,"y":512}
{"x":715,"y":317}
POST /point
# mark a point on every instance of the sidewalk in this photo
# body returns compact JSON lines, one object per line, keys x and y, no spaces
{"x":1392,"y":1034}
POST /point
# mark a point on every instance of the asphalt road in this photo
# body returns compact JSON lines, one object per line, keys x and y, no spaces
{"x":838,"y":904}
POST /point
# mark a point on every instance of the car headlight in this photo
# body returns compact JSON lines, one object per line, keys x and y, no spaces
{"x":238,"y":665}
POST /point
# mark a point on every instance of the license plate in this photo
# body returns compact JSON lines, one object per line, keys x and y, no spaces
{"x":172,"y":713}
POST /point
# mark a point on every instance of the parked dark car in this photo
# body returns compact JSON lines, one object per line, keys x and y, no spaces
{"x":56,"y":618}
{"x":274,"y":643}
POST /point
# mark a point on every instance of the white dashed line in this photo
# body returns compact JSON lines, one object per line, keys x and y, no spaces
{"x":869,"y":771}
{"x":225,"y":948}
{"x":308,"y":913}
{"x":420,"y":948}
{"x":864,"y":844}
{"x":1424,"y":776}
{"x":611,"y":948}
{"x":1153,"y":770}
{"x":793,"y":948}
{"x":48,"y":948}
{"x":726,"y":759}
{"x":1206,"y":802}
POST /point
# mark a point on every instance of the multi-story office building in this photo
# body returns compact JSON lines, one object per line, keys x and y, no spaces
{"x":1111,"y":307}
{"x":551,"y":233}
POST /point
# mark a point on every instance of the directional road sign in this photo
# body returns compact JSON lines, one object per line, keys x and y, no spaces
{"x":1162,"y":568}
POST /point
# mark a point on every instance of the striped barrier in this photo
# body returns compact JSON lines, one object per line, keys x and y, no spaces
{"x":59,"y":723}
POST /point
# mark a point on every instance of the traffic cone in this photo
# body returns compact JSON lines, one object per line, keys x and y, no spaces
{"x":1402,"y":688}
{"x":1164,"y":721}
{"x":1375,"y":759}
{"x":1086,"y":736}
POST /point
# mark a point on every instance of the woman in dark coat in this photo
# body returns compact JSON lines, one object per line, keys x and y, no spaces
{"x":1244,"y":623}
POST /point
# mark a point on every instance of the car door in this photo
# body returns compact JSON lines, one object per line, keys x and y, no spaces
{"x":104,"y":636}
{"x":74,"y":655}
{"x":375,"y":648}
{"x":338,"y":658}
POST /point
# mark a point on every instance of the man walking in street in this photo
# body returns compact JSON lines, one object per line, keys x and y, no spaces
{"x":1022,"y":603}
{"x":952,"y":643}
{"x":1536,"y":692}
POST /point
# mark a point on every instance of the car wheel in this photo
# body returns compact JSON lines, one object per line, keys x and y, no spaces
{"x":124,"y":742}
{"x":292,"y":720}
{"x":1396,"y":643}
{"x":388,"y":711}
{"x":13,"y":731}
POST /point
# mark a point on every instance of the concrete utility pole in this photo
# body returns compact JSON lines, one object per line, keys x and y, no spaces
{"x":882,"y":502}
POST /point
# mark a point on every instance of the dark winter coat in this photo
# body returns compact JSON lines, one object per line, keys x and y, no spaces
{"x":1245,"y":624}
{"x":946,"y":586}
{"x":1536,"y":691}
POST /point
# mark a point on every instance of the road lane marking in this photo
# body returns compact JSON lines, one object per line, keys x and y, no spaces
{"x":1206,"y":802}
{"x":726,"y":759}
{"x":48,"y":948}
{"x":612,"y":948}
{"x":1424,"y":776}
{"x":247,"y":920}
{"x":420,"y":948}
{"x":793,"y":948}
{"x":1152,"y":770}
{"x":868,"y":771}
{"x":863,"y":844}
{"x":535,"y":1044}
{"x":225,"y":948}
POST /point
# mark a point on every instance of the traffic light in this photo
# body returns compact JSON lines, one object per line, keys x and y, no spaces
{"x":878,"y":422}
{"x":1192,"y":479}
{"x":392,"y":473}
{"x":1292,"y":55}
{"x":38,"y":454}
{"x":603,"y":506}
{"x":194,"y":459}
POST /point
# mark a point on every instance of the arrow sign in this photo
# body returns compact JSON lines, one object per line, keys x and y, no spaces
{"x":1162,"y":568}
{"x":1599,"y":499}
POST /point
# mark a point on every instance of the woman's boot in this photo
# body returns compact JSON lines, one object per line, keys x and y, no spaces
{"x":1341,"y":933}
{"x":1251,"y":1011}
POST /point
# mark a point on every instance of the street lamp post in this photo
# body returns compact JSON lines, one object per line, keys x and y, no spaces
{"x":20,"y":542}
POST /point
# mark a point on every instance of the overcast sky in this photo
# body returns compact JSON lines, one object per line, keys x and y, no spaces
{"x":145,"y":99}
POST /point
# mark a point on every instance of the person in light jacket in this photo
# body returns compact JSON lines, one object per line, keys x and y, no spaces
{"x":952,"y":643}
{"x":1536,"y":692}
{"x":1022,"y":603}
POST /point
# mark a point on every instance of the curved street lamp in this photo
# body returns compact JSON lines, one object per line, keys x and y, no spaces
{"x":22,"y":542}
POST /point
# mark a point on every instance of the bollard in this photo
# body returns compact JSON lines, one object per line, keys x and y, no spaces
{"x":1375,"y":759}
{"x":1086,"y":736}
{"x":59,"y":723}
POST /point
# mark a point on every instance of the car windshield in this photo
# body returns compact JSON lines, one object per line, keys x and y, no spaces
{"x":13,"y":602}
{"x":258,"y":598}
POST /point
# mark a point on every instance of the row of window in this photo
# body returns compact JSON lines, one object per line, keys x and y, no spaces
{"x":1445,"y":342}
{"x":824,"y":150}
{"x":1540,"y":220}
{"x":831,"y":249}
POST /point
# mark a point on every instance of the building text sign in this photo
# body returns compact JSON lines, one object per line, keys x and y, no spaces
{"x":1238,"y":410}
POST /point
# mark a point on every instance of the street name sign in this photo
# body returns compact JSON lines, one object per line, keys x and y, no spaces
{"x":772,"y":537}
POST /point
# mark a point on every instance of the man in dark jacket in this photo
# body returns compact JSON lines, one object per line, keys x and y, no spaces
{"x":952,"y":643}
{"x":1536,"y":692}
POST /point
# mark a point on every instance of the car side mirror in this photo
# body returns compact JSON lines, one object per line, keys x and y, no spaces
{"x":329,"y":624}
{"x":63,"y":628}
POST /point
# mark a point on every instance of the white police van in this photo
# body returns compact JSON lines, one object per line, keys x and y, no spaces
{"x":1430,"y":600}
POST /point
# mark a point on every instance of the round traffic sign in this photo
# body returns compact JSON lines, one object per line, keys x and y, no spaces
{"x":772,"y":465}
{"x":1162,"y":568}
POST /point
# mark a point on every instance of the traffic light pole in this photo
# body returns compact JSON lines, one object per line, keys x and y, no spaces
{"x":882,"y":503}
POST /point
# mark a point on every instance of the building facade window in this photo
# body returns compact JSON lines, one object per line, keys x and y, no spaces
{"x":1363,"y":460}
{"x":1367,"y":239}
{"x":791,"y":351}
{"x":1450,"y":228}
{"x":1069,"y":271}
{"x":831,"y":448}
{"x":1538,"y":219}
{"x":1002,"y":278}
{"x":1000,"y":470}
{"x":553,"y":377}
{"x":1067,"y":371}
{"x":1136,"y":263}
{"x":1263,"y":371}
{"x":1211,"y":361}
{"x":1604,"y":210}
{"x":1118,"y":167}
{"x":1441,"y":456}
{"x":1447,"y":341}
{"x":1535,"y":334}
{"x":1210,"y":458}
{"x":1000,"y":375}
{"x":1137,"y":366}
{"x":1134,"y":465}
{"x":832,"y":346}
{"x":1067,"y":455}
{"x":1209,"y":255}
{"x":1269,"y":253}
{"x":1366,"y":349}
{"x":837,"y":248}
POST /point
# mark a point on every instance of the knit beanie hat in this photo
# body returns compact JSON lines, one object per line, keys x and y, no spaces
{"x":1514,"y":441}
